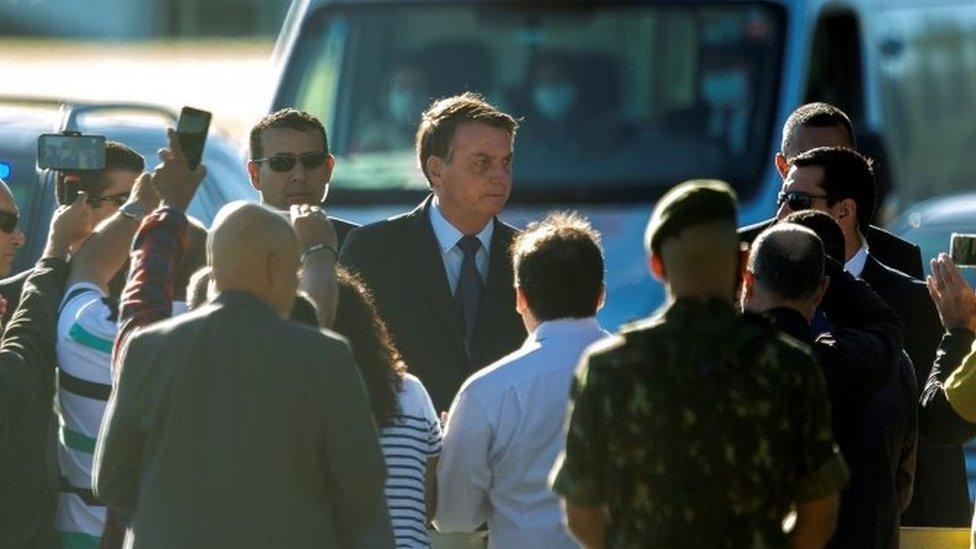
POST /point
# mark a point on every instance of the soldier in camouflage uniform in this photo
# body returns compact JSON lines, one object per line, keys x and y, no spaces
{"x":699,"y":427}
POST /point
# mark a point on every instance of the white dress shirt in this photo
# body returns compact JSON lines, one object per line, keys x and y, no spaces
{"x":447,"y":239}
{"x":505,"y":430}
{"x":855,"y":265}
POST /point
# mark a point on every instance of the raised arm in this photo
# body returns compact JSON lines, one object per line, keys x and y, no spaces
{"x":158,"y":247}
{"x":104,"y":253}
{"x":27,"y":351}
{"x":318,"y":239}
{"x":940,"y":419}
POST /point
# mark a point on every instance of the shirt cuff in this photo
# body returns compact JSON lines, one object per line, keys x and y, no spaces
{"x":831,"y":477}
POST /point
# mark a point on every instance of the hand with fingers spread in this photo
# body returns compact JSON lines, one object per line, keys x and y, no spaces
{"x":175,"y":182}
{"x":313,"y":227}
{"x":952,"y":295}
{"x":70,"y":224}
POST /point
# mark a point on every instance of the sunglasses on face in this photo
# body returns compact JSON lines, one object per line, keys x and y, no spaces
{"x":285,"y":162}
{"x":797,"y":200}
{"x":8,"y":221}
{"x":118,"y":199}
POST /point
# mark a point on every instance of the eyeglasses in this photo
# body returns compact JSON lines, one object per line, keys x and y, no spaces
{"x":285,"y":162}
{"x":797,"y":200}
{"x":8,"y":221}
{"x":118,"y":199}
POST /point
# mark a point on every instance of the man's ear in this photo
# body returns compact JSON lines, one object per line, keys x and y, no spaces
{"x":748,"y":286}
{"x":435,"y":169}
{"x":603,"y":296}
{"x":845,"y":212}
{"x":822,"y":290}
{"x":329,"y":166}
{"x":254,"y":170}
{"x":657,"y":267}
{"x":521,"y":305}
{"x":782,"y":166}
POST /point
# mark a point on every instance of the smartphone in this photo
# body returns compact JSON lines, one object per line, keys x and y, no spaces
{"x":70,"y":152}
{"x":192,"y":130}
{"x":962,"y":249}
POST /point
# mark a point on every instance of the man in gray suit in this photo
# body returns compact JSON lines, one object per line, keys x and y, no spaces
{"x":232,"y":427}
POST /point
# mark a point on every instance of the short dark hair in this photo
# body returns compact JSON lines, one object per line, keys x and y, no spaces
{"x":825,"y":228}
{"x":442,"y":118}
{"x":847,"y":174}
{"x":379,"y":361}
{"x":289,"y":119}
{"x":118,"y":157}
{"x":814,"y":115}
{"x":788,"y":260}
{"x":559,"y":265}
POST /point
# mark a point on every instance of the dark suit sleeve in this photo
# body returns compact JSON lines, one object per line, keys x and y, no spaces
{"x":939,"y":422}
{"x":118,"y":453}
{"x":353,"y":461}
{"x":869,"y":336}
{"x":27,"y":351}
{"x":908,"y":453}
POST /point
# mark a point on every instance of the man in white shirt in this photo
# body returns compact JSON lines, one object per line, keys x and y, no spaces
{"x":505,"y":428}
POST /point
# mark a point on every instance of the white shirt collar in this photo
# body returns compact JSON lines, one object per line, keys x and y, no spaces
{"x":447,"y":235}
{"x":564,"y":326}
{"x":855,"y":265}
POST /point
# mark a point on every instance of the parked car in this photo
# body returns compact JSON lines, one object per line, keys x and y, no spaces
{"x":930,"y":225}
{"x":140,"y":126}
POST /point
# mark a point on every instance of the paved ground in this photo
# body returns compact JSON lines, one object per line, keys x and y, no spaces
{"x":228,"y":78}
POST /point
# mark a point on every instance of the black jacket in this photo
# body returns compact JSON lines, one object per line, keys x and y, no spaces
{"x":27,"y":365}
{"x":893,"y":251}
{"x":941,"y":490}
{"x":941,"y":423}
{"x":400,"y":262}
{"x":872,"y":411}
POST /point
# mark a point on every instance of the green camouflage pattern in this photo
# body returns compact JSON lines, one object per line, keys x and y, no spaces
{"x":699,"y":428}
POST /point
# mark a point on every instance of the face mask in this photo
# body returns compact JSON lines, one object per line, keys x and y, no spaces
{"x":402,"y":104}
{"x":725,"y":89}
{"x":553,"y":101}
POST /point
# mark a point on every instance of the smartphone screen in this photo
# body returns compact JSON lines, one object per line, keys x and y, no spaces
{"x":962,"y":249}
{"x":192,"y":132}
{"x":70,"y":153}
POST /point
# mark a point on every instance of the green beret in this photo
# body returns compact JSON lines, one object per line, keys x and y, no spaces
{"x":689,"y":204}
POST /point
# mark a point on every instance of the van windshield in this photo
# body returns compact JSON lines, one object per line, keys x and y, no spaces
{"x":616,"y":102}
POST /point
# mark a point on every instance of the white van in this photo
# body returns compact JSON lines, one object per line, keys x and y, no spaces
{"x":622,"y":100}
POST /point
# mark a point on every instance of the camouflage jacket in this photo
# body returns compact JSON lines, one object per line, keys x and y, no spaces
{"x":699,"y":428}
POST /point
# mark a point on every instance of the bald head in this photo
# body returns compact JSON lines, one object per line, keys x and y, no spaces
{"x":253,"y":249}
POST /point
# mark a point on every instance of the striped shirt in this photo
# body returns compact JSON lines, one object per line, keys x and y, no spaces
{"x":86,"y":332}
{"x":413,"y":438}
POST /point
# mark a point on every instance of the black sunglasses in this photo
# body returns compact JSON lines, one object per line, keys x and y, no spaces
{"x":8,"y":221}
{"x":118,"y":199}
{"x":285,"y":162}
{"x":797,"y":200}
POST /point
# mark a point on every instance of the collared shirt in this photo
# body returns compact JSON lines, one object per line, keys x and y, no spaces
{"x":855,"y":265}
{"x":447,"y":239}
{"x":506,"y":429}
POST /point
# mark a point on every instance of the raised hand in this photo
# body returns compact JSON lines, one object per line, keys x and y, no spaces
{"x":313,"y":227}
{"x":173,"y":179}
{"x":952,"y":295}
{"x":69,"y":224}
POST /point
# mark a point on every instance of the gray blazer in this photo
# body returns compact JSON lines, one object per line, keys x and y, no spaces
{"x":231,"y":427}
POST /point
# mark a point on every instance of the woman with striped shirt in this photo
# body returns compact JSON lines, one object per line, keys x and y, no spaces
{"x":410,"y":433}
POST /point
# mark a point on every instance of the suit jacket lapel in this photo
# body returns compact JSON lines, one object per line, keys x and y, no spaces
{"x":424,"y":259}
{"x":498,"y":299}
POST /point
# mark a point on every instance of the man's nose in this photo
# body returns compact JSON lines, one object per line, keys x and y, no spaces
{"x":19,"y":238}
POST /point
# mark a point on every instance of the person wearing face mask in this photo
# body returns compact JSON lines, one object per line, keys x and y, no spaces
{"x":724,"y":92}
{"x":393,"y":127}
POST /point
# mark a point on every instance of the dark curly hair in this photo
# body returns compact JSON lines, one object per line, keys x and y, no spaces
{"x":379,"y":361}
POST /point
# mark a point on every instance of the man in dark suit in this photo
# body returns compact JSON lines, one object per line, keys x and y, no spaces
{"x":233,"y":427}
{"x":291,"y":163}
{"x":824,"y":125}
{"x":840,"y":182}
{"x":442,"y":274}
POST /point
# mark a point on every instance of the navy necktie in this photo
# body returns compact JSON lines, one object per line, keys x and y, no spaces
{"x":469,"y":287}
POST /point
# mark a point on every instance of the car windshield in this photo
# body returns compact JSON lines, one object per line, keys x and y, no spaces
{"x":615,"y":100}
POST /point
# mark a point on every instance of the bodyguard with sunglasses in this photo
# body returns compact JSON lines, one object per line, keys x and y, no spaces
{"x":823,"y":125}
{"x":291,"y":165}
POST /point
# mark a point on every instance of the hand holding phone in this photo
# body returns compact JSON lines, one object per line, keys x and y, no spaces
{"x":191,"y":130}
